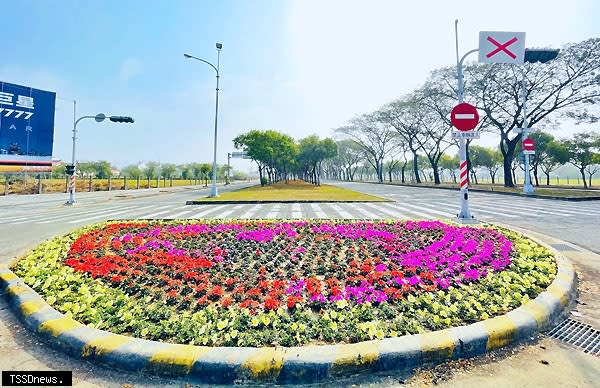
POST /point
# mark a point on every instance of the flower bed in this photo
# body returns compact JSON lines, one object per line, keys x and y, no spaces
{"x":260,"y":283}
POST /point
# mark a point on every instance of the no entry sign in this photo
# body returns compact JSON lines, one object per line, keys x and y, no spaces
{"x":464,"y":117}
{"x":528,"y":144}
{"x":501,"y":47}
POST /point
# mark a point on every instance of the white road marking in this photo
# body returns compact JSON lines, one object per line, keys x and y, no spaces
{"x":97,"y":216}
{"x":342,"y":212}
{"x":250,"y":212}
{"x":211,"y":209}
{"x":274,"y":212}
{"x":367,"y":214}
{"x":296,"y":211}
{"x":318,"y":211}
{"x":86,"y":213}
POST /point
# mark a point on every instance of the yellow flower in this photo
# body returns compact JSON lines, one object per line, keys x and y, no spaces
{"x":233,"y":333}
{"x":393,"y":333}
{"x":265,"y":320}
{"x":333,"y":314}
{"x":342,"y":303}
{"x":221,"y":324}
{"x":254,"y":322}
{"x":144,"y":332}
{"x":333,"y":325}
{"x":379,"y":334}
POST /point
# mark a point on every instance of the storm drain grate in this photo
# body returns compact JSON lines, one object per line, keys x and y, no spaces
{"x":579,"y":334}
{"x":564,"y":248}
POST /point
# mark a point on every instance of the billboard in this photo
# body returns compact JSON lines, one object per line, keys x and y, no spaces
{"x":26,"y":128}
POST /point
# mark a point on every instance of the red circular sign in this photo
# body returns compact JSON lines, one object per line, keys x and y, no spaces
{"x":528,"y":144}
{"x":464,"y":117}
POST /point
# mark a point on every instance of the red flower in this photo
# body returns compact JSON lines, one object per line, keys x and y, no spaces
{"x":271,"y":304}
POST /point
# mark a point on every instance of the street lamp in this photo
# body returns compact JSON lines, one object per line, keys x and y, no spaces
{"x":100,"y":117}
{"x":213,"y":191}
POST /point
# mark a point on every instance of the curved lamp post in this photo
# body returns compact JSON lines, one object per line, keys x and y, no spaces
{"x":213,"y":191}
{"x":100,"y":117}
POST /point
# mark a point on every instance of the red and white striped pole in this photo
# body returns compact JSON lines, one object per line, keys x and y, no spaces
{"x":72,"y":183}
{"x":464,"y":176}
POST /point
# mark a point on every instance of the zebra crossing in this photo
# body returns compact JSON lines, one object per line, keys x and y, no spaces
{"x":489,"y":209}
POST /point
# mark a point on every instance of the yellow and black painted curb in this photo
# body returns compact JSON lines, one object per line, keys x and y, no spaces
{"x":295,"y":365}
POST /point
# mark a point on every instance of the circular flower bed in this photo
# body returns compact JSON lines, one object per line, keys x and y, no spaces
{"x":261,"y":283}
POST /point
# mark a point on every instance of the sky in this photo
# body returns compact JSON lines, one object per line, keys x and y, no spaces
{"x":297,"y":66}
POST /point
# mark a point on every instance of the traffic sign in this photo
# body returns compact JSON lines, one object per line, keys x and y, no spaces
{"x":501,"y":47}
{"x":464,"y":117}
{"x":528,"y":144}
{"x":465,"y":134}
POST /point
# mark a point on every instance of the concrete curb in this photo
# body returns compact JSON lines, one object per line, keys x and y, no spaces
{"x":297,"y":365}
{"x":538,"y":196}
{"x":194,"y":202}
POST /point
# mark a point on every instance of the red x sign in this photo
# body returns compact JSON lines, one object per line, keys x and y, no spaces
{"x":501,"y":47}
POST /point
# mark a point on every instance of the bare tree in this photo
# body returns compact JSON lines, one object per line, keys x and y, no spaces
{"x":567,"y":86}
{"x":377,"y":140}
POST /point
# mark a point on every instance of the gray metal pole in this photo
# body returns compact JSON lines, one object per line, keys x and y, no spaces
{"x":527,"y":186}
{"x":464,"y":214}
{"x":72,"y":189}
{"x":213,"y":191}
{"x":228,"y":167}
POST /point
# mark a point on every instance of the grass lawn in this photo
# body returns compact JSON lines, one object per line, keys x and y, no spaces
{"x":550,"y":191}
{"x":294,"y":191}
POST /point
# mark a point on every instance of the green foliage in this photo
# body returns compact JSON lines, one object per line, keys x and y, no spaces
{"x":94,"y":303}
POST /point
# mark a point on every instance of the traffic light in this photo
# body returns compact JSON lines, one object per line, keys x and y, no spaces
{"x":121,"y":119}
{"x":540,"y":55}
{"x":70,"y":169}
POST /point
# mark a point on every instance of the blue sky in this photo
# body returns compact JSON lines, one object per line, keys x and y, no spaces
{"x":300,"y":67}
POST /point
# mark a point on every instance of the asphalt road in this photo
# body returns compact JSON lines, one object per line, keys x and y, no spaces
{"x":27,"y":220}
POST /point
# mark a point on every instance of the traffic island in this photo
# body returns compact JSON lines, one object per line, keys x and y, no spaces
{"x":81,"y":275}
{"x":294,"y":191}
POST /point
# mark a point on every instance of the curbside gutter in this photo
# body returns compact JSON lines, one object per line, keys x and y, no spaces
{"x":539,"y":196}
{"x":295,"y":365}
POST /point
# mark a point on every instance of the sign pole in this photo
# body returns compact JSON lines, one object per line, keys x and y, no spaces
{"x":527,"y":187}
{"x":464,"y":214}
{"x":71,"y":200}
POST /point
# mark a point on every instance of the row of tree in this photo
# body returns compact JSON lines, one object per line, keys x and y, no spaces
{"x":279,"y":156}
{"x":150,"y":170}
{"x":417,"y":125}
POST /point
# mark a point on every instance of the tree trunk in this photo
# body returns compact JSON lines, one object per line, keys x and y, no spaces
{"x":416,"y":167}
{"x":582,"y":171}
{"x":547,"y":178}
{"x":508,"y":154}
{"x":535,"y":175}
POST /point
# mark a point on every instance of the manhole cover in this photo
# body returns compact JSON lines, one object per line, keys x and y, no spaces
{"x":564,"y":248}
{"x":578,"y":334}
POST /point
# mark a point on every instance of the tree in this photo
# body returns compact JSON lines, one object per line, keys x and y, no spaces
{"x":131,"y":171}
{"x":377,"y":140}
{"x":58,"y":170}
{"x":407,"y":120}
{"x":350,"y":154}
{"x":488,"y":158}
{"x":584,"y":149}
{"x":566,"y":86}
{"x":168,"y":170}
{"x":204,"y":172}
{"x":552,"y":156}
{"x":450,"y":164}
{"x":312,"y":152}
{"x":151,"y":170}
{"x":593,"y":168}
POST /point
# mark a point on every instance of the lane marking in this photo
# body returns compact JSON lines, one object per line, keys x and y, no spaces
{"x":318,"y":211}
{"x":250,"y":212}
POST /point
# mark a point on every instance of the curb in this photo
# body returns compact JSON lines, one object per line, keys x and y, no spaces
{"x":232,"y":202}
{"x":539,"y":196}
{"x":295,"y":365}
